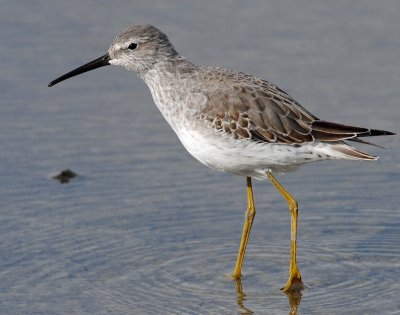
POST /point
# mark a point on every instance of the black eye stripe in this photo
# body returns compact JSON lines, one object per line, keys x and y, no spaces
{"x":132,"y":46}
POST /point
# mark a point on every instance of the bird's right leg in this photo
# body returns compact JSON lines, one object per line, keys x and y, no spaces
{"x":250,"y":213}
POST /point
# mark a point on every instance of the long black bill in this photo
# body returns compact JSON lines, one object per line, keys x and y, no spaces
{"x":97,"y":63}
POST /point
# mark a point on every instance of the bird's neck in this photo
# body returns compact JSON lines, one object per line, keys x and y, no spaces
{"x":170,"y":83}
{"x":169,"y":71}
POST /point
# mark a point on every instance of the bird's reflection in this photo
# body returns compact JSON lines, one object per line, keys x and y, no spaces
{"x":241,"y":297}
{"x":294,"y":298}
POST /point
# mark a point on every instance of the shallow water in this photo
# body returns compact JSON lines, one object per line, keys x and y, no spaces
{"x":144,"y":228}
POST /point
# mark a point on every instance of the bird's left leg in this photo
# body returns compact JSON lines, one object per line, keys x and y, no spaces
{"x":294,"y":282}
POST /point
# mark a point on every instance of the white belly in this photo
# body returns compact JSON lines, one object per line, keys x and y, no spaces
{"x":246,"y":157}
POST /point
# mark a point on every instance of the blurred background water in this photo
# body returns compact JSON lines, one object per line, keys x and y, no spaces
{"x":146,"y":229}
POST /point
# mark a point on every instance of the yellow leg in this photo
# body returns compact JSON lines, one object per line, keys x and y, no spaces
{"x":294,"y":281}
{"x":250,"y":213}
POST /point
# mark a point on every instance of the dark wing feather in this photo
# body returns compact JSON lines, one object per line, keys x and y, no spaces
{"x":265,"y":113}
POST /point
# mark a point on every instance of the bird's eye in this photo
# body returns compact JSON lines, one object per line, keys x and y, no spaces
{"x":132,"y":46}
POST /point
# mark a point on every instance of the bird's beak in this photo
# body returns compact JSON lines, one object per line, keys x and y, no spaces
{"x":97,"y":63}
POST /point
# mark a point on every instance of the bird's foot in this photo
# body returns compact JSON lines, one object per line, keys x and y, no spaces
{"x":294,"y":282}
{"x":236,"y":275}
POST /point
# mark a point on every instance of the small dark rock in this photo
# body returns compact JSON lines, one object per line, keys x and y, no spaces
{"x":65,"y":176}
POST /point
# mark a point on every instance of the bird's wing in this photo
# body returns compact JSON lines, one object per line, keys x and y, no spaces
{"x":265,"y":113}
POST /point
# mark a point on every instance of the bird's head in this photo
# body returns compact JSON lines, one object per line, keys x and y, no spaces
{"x":136,"y":48}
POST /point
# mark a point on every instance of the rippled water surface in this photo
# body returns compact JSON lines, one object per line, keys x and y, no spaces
{"x":144,"y":228}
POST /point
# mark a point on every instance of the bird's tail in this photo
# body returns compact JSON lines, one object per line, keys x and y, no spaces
{"x":333,"y":132}
{"x":353,"y":153}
